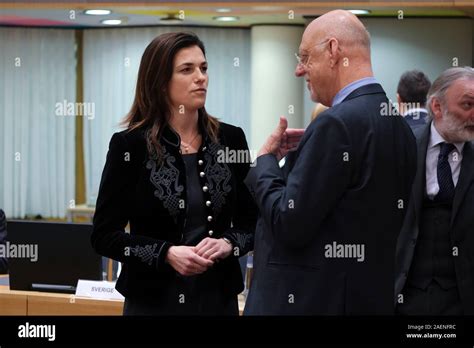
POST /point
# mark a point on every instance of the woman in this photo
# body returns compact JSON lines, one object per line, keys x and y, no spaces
{"x":190,"y":214}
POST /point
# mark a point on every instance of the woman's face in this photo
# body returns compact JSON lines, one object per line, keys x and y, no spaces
{"x":188,"y":85}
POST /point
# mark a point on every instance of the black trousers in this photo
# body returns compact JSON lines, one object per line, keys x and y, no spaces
{"x":196,"y":295}
{"x":434,"y":300}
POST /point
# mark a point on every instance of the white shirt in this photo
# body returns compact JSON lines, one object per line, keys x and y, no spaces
{"x":432,"y":153}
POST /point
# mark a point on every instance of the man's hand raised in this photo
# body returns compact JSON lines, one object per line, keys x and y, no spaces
{"x":282,"y":140}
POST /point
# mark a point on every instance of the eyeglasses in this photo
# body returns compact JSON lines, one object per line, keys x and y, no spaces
{"x":304,"y":58}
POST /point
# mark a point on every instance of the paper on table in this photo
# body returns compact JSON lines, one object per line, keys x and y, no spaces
{"x":98,"y":290}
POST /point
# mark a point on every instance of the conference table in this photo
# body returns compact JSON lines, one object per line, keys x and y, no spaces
{"x":15,"y":302}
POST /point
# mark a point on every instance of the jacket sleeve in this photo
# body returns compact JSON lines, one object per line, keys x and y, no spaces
{"x":320,"y":176}
{"x":3,"y":239}
{"x":241,"y":234}
{"x":113,"y":210}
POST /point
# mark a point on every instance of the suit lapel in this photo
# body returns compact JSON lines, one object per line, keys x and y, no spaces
{"x":465,"y":178}
{"x":420,"y":179}
{"x":416,"y":200}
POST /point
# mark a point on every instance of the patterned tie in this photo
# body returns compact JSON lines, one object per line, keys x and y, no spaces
{"x":445,"y":177}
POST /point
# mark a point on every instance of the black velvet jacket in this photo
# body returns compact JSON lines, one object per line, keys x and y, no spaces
{"x":151,"y":196}
{"x":3,"y":239}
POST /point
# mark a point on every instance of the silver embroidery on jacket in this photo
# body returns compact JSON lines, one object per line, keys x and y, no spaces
{"x":165,"y":179}
{"x":218,"y":176}
{"x":145,"y":253}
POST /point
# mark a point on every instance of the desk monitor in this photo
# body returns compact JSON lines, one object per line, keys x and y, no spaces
{"x":63,"y":255}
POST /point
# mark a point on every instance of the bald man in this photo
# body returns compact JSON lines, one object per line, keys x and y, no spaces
{"x":326,"y":237}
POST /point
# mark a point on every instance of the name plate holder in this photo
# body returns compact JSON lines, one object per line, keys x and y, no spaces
{"x":102,"y":290}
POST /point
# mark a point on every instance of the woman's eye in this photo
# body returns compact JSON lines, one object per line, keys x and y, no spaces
{"x":186,"y":70}
{"x":204,"y":68}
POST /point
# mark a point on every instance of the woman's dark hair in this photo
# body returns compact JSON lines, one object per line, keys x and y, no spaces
{"x":151,"y":106}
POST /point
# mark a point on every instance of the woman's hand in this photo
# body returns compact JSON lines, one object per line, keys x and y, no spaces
{"x":186,"y":261}
{"x":213,"y":249}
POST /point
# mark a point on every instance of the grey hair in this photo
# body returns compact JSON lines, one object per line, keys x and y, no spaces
{"x":444,"y":81}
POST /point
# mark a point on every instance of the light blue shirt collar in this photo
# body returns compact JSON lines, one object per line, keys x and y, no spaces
{"x":351,"y":87}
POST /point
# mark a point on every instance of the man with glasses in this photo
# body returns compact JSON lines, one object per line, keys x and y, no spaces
{"x":326,"y":238}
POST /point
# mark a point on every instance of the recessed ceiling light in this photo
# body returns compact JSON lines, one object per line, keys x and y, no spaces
{"x":171,"y":19}
{"x":223,"y":10}
{"x":359,"y":12}
{"x":111,"y":21}
{"x":268,"y":8}
{"x":97,"y":12}
{"x":226,"y":18}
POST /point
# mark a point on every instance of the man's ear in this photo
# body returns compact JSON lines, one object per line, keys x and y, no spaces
{"x":401,"y":106}
{"x":436,"y":108}
{"x":399,"y":100}
{"x":334,"y":51}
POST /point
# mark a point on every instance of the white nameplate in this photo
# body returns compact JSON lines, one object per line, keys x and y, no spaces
{"x":98,"y":290}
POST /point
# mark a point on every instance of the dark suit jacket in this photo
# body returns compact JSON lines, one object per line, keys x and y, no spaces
{"x":150,"y":196}
{"x":462,"y":223}
{"x":416,"y":119}
{"x":3,"y":239}
{"x":352,"y":167}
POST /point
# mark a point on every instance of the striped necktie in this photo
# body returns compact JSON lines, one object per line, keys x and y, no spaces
{"x":445,"y":176}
